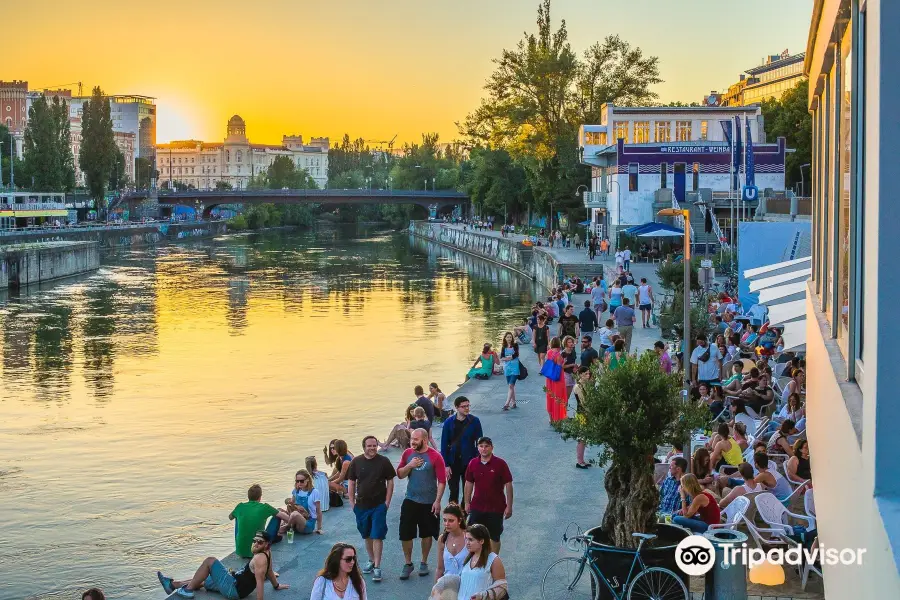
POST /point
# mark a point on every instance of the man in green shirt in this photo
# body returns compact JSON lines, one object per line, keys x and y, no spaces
{"x":249,"y":518}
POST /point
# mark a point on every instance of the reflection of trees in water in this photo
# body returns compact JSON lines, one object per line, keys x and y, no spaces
{"x":99,"y":345}
{"x":16,"y":349}
{"x":53,"y":350}
{"x":238,"y":294}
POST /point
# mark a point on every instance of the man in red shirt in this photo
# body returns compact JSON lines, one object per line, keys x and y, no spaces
{"x":489,"y":477}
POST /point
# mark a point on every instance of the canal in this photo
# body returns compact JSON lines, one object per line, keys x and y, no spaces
{"x":139,"y":403}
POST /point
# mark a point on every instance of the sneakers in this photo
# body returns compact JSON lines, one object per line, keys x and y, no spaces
{"x":166,"y":582}
{"x":376,"y":574}
{"x":183,"y":592}
{"x":406,"y":572}
{"x":367,"y":568}
{"x":423,"y":569}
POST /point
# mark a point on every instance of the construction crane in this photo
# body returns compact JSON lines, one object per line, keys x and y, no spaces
{"x":60,"y":86}
{"x":390,"y":143}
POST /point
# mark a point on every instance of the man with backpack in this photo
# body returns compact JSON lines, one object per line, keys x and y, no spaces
{"x":459,"y":444}
{"x":705,"y":363}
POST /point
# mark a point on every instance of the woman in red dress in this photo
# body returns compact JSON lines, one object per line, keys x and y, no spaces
{"x":557,"y":399}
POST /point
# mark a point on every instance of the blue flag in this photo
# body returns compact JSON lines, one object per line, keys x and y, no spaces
{"x":736,"y":152}
{"x":749,"y":163}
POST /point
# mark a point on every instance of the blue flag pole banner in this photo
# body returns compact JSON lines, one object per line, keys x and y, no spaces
{"x":736,"y":155}
{"x":726,"y":129}
{"x":750,"y":163}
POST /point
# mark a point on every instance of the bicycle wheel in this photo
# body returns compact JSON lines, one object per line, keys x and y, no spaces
{"x":570,"y":579}
{"x":656,"y":583}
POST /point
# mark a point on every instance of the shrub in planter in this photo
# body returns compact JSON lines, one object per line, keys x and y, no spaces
{"x":630,"y":411}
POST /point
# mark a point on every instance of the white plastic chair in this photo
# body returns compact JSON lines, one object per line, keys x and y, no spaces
{"x":734,"y":513}
{"x":809,"y":504}
{"x":808,"y":568}
{"x":765,"y":536}
{"x":773,"y":513}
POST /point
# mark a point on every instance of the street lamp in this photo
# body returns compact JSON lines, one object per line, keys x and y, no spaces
{"x":587,"y":210}
{"x":618,"y":210}
{"x":686,"y":336}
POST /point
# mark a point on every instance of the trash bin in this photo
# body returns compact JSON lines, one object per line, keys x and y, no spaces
{"x":726,"y":581}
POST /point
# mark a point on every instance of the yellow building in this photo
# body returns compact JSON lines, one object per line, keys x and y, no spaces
{"x":778,"y":74}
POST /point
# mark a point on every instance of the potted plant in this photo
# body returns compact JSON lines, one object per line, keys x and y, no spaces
{"x":628,"y":413}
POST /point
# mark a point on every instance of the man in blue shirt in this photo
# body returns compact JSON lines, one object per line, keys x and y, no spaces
{"x":669,"y":496}
{"x":459,"y":445}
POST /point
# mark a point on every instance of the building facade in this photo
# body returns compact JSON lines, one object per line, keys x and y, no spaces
{"x":235,"y":160}
{"x":852,"y":329}
{"x":777,"y":74}
{"x":13,"y":105}
{"x":637,"y":151}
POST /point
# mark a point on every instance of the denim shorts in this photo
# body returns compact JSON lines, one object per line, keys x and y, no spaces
{"x":512,"y":379}
{"x":310,"y":526}
{"x":371,"y":522}
{"x":222,"y":581}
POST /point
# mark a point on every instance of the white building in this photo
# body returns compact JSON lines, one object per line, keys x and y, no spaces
{"x":235,"y":160}
{"x":851,"y":301}
{"x":637,"y":151}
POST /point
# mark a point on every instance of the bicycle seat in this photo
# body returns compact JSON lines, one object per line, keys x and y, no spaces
{"x":644,"y":536}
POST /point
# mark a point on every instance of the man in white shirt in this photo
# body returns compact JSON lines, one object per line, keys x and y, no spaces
{"x":620,"y":260}
{"x":626,"y":255}
{"x":705,"y":363}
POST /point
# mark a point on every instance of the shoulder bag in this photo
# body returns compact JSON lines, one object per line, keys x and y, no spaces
{"x":551,"y":370}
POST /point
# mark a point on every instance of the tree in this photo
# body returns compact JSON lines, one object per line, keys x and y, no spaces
{"x":223,"y":186}
{"x":6,"y":150}
{"x":98,"y":154}
{"x":118,"y":177}
{"x":630,"y":411}
{"x":143,"y":172}
{"x":789,"y":118}
{"x":48,"y":165}
{"x":283,"y":174}
{"x":495,"y":183}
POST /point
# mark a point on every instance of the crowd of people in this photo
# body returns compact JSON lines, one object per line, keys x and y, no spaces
{"x":468,"y":528}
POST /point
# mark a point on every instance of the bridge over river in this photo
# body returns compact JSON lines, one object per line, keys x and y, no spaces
{"x":205,"y":201}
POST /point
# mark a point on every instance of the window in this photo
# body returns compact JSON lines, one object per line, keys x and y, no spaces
{"x":844,"y":102}
{"x":696,"y":176}
{"x":239,"y":156}
{"x":663,"y":176}
{"x":228,"y":156}
{"x":682,"y":131}
{"x":704,"y":129}
{"x":621,"y":129}
{"x":642,"y":132}
{"x":633,"y":177}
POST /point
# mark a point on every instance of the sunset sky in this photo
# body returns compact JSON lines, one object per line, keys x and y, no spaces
{"x":371,"y":69}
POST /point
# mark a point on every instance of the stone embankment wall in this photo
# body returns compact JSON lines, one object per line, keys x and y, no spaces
{"x":119,"y":236}
{"x":533,"y":262}
{"x":27,"y":264}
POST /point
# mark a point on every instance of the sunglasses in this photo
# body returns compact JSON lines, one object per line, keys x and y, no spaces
{"x":349,"y":559}
{"x":300,"y":480}
{"x":259,"y":541}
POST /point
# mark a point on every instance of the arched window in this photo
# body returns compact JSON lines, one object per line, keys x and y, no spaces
{"x":239,"y":156}
{"x":228,"y":156}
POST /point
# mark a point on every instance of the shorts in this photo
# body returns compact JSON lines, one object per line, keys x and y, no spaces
{"x":221,"y":580}
{"x":371,"y":522}
{"x":417,"y":520}
{"x":512,"y":379}
{"x":309,"y":527}
{"x":646,"y":307}
{"x":540,"y":349}
{"x":493,"y":522}
{"x":733,"y":482}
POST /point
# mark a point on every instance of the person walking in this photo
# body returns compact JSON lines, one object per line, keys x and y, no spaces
{"x":616,"y":295}
{"x":340,"y":578}
{"x":568,"y":323}
{"x":584,"y":380}
{"x":541,"y":339}
{"x":371,"y":478}
{"x":451,"y":552}
{"x":419,"y":512}
{"x":569,"y":365}
{"x":587,"y":318}
{"x":489,"y":491}
{"x":592,"y":248}
{"x":598,"y":296}
{"x":624,"y":317}
{"x":645,"y":301}
{"x":626,"y":258}
{"x":459,"y":445}
{"x":556,"y":390}
{"x":509,"y":356}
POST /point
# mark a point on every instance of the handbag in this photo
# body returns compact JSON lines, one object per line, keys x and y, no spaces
{"x":523,"y":372}
{"x":551,"y":370}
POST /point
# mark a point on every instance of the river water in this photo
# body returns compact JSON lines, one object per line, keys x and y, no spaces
{"x":139,"y":403}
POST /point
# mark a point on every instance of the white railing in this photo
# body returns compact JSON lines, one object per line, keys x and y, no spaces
{"x":595,"y":199}
{"x":716,"y":229}
{"x":680,"y":220}
{"x":33,"y":206}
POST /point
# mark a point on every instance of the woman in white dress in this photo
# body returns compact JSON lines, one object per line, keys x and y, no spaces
{"x":452,"y":543}
{"x":483,"y":576}
{"x":340,"y":578}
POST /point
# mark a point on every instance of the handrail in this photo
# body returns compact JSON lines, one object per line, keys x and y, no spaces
{"x":680,"y":220}
{"x":716,"y":229}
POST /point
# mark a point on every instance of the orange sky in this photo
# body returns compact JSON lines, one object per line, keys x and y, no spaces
{"x":372,"y":69}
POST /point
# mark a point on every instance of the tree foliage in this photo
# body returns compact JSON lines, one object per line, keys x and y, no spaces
{"x":496,"y":183}
{"x":789,"y":118}
{"x":224,"y":186}
{"x":143,"y":172}
{"x":630,"y":411}
{"x":48,"y":165}
{"x":98,"y":154}
{"x":538,"y":95}
{"x":6,"y":149}
{"x":118,"y":178}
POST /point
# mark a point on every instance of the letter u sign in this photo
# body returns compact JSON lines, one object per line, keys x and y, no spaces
{"x":751,"y":192}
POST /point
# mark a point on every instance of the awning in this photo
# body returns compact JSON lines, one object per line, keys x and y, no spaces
{"x":778,"y":268}
{"x":783,"y":293}
{"x":789,"y":277}
{"x":658,"y":233}
{"x":787,"y":312}
{"x":794,"y":335}
{"x":641,"y":230}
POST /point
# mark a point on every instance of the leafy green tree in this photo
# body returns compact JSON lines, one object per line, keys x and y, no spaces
{"x":47,"y":154}
{"x":496,"y":184}
{"x":223,"y":186}
{"x":789,"y":118}
{"x":6,"y":149}
{"x":118,"y":177}
{"x":98,"y":154}
{"x":628,"y":412}
{"x":143,"y":172}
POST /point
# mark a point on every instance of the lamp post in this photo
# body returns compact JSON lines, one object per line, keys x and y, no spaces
{"x":686,"y":336}
{"x":587,"y":210}
{"x":618,"y":209}
{"x":802,"y":180}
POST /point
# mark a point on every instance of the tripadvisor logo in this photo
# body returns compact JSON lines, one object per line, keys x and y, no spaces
{"x":695,"y":555}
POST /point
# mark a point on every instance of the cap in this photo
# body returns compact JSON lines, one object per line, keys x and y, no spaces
{"x":485,"y":440}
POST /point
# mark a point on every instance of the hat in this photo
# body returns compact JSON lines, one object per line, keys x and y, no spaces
{"x":485,"y":440}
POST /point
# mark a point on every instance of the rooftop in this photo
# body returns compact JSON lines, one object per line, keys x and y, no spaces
{"x":787,"y":60}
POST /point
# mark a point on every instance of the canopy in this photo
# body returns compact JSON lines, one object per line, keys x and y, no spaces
{"x":647,"y":228}
{"x":782,"y":289}
{"x":662,"y":233}
{"x":778,"y":268}
{"x":790,"y":277}
{"x":585,"y":223}
{"x":786,"y":312}
{"x":794,"y":335}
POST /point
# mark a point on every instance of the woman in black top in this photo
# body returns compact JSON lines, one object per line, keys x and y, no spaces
{"x":541,"y":339}
{"x":213,"y":575}
{"x":569,"y":365}
{"x":797,"y":466}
